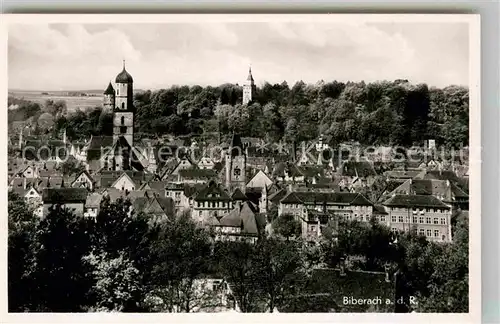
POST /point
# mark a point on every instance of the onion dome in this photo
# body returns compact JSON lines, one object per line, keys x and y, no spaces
{"x":124,"y":76}
{"x":109,"y":90}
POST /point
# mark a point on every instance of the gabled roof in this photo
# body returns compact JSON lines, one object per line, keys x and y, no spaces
{"x":212,"y":192}
{"x":64,"y":195}
{"x":232,"y":219}
{"x":343,"y":198}
{"x":238,"y":195}
{"x":411,"y":201}
{"x":277,"y":196}
{"x":124,"y":174}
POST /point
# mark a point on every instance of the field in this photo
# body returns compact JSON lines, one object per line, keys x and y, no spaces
{"x":73,"y":102}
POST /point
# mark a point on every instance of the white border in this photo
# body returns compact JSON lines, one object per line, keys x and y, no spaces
{"x":474,"y":314}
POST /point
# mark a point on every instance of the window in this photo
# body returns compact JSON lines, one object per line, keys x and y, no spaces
{"x":428,"y":220}
{"x":123,"y":120}
{"x":123,"y":105}
{"x":400,"y":219}
{"x":443,"y":221}
{"x":436,"y":221}
{"x":123,"y":129}
{"x":394,"y":230}
{"x":117,"y":92}
{"x":429,"y":233}
{"x":382,"y":218}
{"x":436,"y":233}
{"x":421,"y":232}
{"x":393,"y":219}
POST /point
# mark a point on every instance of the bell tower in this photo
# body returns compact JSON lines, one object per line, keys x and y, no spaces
{"x":236,"y":165}
{"x":248,"y":88}
{"x":123,"y":113}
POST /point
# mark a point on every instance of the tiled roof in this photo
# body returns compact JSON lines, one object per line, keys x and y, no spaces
{"x":93,"y":200}
{"x":379,"y":209}
{"x":192,"y":190}
{"x":232,"y":219}
{"x":64,"y":195}
{"x":277,"y":196}
{"x":238,"y":195}
{"x":346,"y":198}
{"x":358,"y":169}
{"x":415,"y":201}
{"x":96,"y":144}
{"x":439,"y":188}
{"x":401,"y":174}
{"x":196,"y":173}
{"x":212,"y":192}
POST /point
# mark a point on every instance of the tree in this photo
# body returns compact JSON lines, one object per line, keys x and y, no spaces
{"x":279,"y":269}
{"x":117,"y":286}
{"x":178,"y":257}
{"x":238,"y":264}
{"x":287,"y":226}
{"x":22,"y":224}
{"x":61,"y":275}
{"x":55,"y":108}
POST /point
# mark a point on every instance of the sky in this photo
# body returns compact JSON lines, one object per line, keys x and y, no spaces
{"x":83,"y":57}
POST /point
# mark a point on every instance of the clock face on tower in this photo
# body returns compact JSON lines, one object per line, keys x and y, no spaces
{"x":236,"y":173}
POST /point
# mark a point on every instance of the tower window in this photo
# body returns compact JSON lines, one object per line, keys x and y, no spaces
{"x":117,"y":92}
{"x":123,"y":129}
{"x":123,"y":105}
{"x":123,"y":120}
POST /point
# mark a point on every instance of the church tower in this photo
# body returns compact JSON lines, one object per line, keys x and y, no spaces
{"x":236,"y":162}
{"x":123,"y":114}
{"x":248,"y":88}
{"x":109,"y":98}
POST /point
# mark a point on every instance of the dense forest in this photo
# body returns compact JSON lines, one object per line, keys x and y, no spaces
{"x":379,"y":113}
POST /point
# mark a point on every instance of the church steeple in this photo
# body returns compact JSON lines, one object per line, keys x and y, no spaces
{"x":248,"y":88}
{"x":250,"y":77}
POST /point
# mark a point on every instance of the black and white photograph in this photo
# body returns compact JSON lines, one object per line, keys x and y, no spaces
{"x":254,"y":164}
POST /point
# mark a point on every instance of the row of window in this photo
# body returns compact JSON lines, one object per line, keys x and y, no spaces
{"x":418,"y":220}
{"x":428,"y":232}
{"x":212,"y":204}
{"x":417,"y":210}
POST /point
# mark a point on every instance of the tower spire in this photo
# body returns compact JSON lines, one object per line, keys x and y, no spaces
{"x":124,"y":64}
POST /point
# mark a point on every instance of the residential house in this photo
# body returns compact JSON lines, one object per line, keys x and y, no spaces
{"x":357,"y":175}
{"x":259,"y":180}
{"x":83,"y":180}
{"x":424,"y":214}
{"x":156,"y":207}
{"x":351,"y":206}
{"x":73,"y":199}
{"x":206,"y":163}
{"x":210,"y":203}
{"x":444,"y":190}
{"x":242,"y":223}
{"x":93,"y":204}
{"x":195,"y":175}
